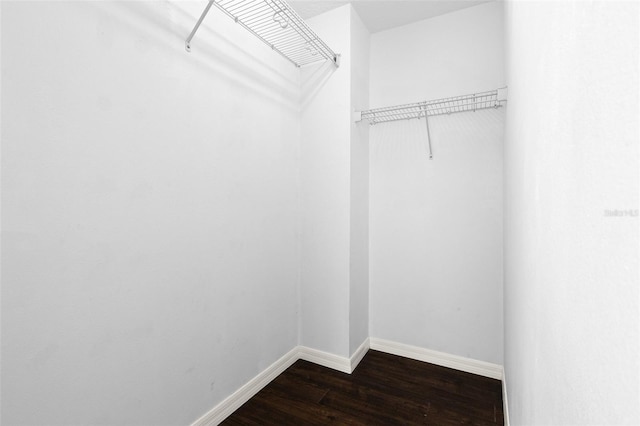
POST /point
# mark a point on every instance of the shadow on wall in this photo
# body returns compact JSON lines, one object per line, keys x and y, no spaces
{"x":167,"y":25}
{"x":398,"y":145}
{"x":313,"y":80}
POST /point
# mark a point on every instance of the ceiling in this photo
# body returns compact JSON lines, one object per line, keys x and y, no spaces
{"x":379,"y":15}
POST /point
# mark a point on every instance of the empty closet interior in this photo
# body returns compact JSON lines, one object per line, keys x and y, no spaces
{"x":196,"y":194}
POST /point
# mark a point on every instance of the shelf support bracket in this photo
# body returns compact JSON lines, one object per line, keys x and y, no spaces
{"x":187,"y":43}
{"x":426,"y":120}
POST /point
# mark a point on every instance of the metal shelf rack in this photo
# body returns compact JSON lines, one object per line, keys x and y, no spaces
{"x":473,"y":102}
{"x":277,"y":25}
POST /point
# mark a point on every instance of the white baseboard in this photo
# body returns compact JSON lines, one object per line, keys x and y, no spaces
{"x":336,"y":362}
{"x":359,"y":354}
{"x":221,"y":411}
{"x":325,"y":359}
{"x":347,"y":365}
{"x":505,"y":400}
{"x":469,"y":365}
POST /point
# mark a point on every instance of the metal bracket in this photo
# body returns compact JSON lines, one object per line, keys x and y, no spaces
{"x":426,"y":120}
{"x":502,"y":95}
{"x":187,"y":43}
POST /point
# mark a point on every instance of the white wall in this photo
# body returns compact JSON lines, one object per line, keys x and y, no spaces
{"x":571,"y":271}
{"x":325,"y":179}
{"x":436,"y":226}
{"x":453,"y":54}
{"x":359,"y":155}
{"x":150,"y":205}
{"x":335,"y":183}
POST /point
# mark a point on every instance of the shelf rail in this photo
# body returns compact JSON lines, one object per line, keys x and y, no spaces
{"x":277,"y":25}
{"x":473,"y":102}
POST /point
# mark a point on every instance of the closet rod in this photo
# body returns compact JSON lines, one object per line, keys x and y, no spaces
{"x":277,"y":25}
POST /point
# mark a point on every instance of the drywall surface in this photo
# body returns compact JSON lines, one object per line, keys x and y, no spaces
{"x":571,"y":213}
{"x":453,"y":54}
{"x":150,"y":204}
{"x":359,"y":208}
{"x":325,"y":179}
{"x":436,"y":225}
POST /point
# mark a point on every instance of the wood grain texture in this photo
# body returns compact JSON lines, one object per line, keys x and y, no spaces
{"x":384,"y":390}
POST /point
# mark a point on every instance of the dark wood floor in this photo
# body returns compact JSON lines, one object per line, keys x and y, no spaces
{"x":383,"y":390}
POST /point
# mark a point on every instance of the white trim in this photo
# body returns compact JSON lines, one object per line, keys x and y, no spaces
{"x":469,"y":365}
{"x":221,"y":411}
{"x":358,"y":355}
{"x":347,"y":365}
{"x":505,"y":400}
{"x":325,"y":359}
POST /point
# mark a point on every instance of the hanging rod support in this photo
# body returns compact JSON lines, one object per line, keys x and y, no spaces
{"x":187,"y":43}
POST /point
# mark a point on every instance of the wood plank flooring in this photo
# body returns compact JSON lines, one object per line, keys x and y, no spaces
{"x":383,"y":390}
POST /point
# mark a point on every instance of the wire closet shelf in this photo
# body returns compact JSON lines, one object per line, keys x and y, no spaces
{"x":474,"y":102}
{"x":442,"y":106}
{"x":277,"y":25}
